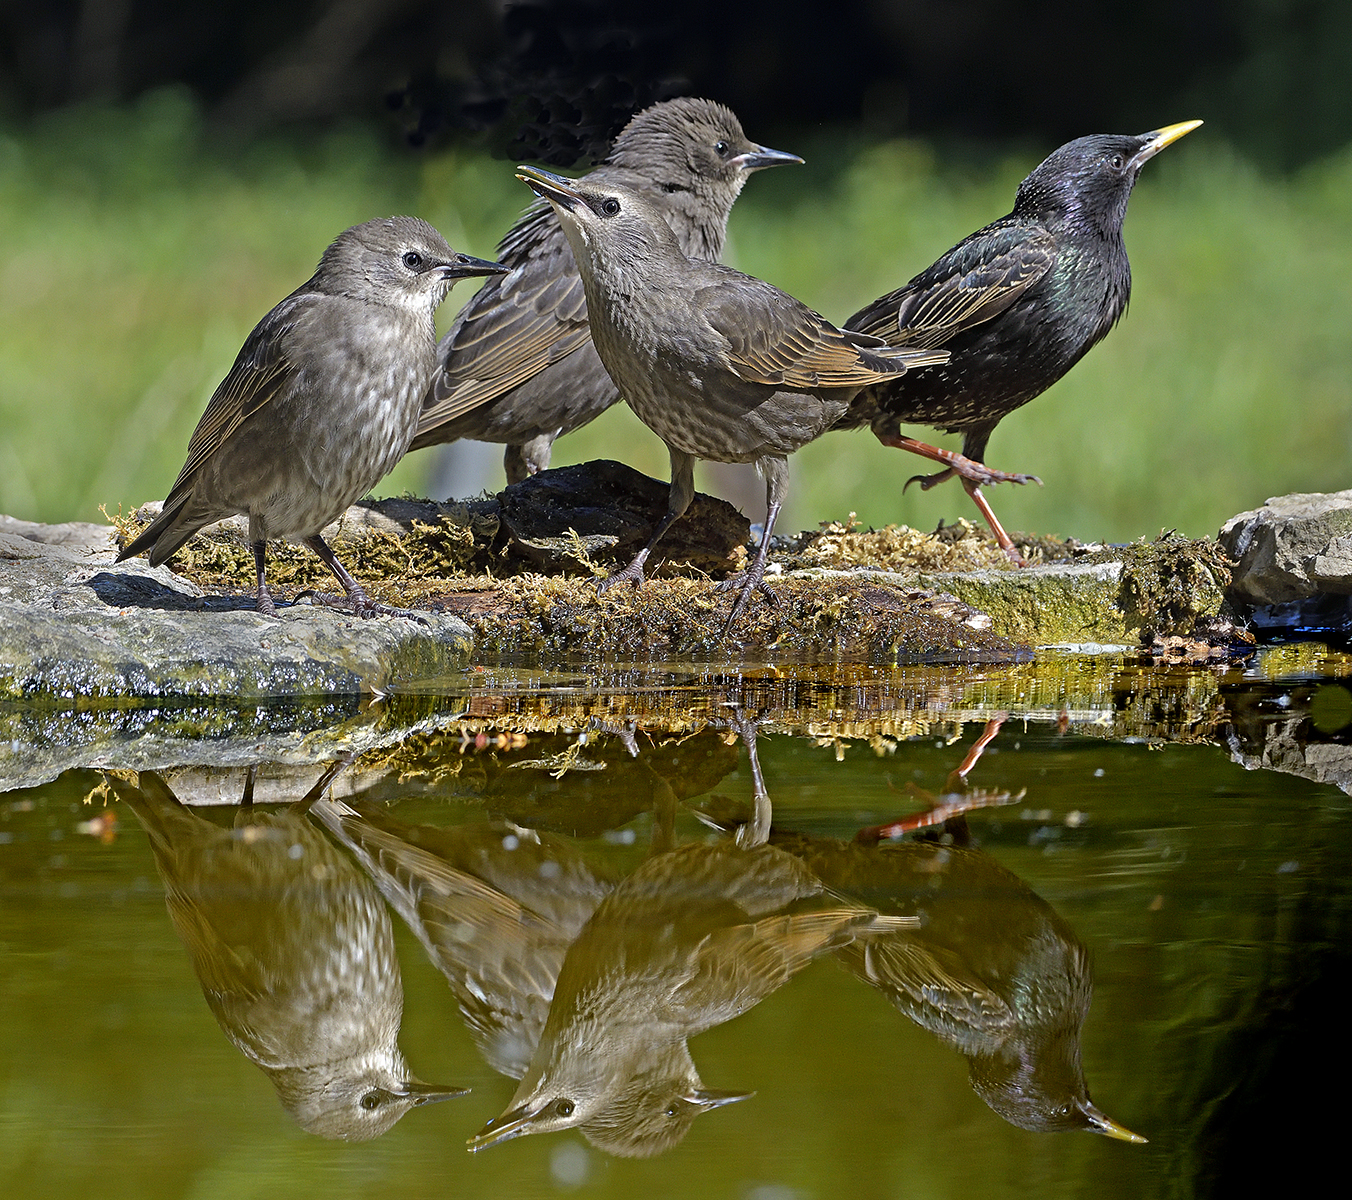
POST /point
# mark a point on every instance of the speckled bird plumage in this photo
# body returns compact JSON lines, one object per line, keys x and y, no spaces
{"x":718,"y":364}
{"x":323,"y":398}
{"x":517,"y":366}
{"x":295,"y":955}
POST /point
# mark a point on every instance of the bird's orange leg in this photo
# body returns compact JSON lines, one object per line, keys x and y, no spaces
{"x":973,"y":474}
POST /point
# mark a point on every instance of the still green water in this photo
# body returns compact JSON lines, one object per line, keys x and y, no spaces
{"x":1154,"y":855}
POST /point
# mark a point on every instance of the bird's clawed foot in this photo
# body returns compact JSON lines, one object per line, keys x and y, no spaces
{"x":744,"y":583}
{"x":633,"y":574}
{"x":928,"y":481}
{"x":359,"y":604}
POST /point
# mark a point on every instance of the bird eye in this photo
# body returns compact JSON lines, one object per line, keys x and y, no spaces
{"x":671,"y":1109}
{"x":721,"y":149}
{"x":564,"y":1108}
{"x":413,"y":260}
{"x":1116,"y":162}
{"x":610,"y":206}
{"x":372,"y":1099}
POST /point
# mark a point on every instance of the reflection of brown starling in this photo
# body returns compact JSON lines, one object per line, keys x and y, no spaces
{"x":993,"y":970}
{"x":518,"y":365}
{"x":718,"y":364}
{"x":295,"y":954}
{"x":495,"y":906}
{"x":694,"y":937}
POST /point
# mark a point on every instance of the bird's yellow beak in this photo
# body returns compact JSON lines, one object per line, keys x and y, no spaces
{"x":1159,"y":138}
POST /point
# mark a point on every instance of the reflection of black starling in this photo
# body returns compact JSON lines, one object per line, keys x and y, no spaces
{"x":1018,"y":304}
{"x":295,"y":954}
{"x":694,"y":937}
{"x":495,"y":907}
{"x":992,"y":970}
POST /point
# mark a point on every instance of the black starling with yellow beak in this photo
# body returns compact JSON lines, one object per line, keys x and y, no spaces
{"x":1017,"y":303}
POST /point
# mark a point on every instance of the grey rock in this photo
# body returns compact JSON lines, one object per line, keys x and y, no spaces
{"x":1292,"y":548}
{"x":75,"y":624}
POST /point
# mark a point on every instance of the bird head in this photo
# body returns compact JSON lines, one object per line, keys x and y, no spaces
{"x":1042,"y":1091}
{"x":396,"y":261}
{"x":1090,"y":179}
{"x":645,"y":1109}
{"x":693,"y":148}
{"x":357,"y":1100}
{"x":615,"y":233}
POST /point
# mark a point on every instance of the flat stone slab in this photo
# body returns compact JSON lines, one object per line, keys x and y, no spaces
{"x":75,"y":624}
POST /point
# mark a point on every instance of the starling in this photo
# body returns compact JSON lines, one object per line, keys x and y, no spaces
{"x":694,"y":937}
{"x":295,"y":954}
{"x":494,"y":905}
{"x":322,"y":400}
{"x":718,"y":364}
{"x":1017,"y":303}
{"x":518,"y":365}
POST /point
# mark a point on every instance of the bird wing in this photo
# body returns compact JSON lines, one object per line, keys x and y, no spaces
{"x":936,"y":989}
{"x":514,"y":326}
{"x":736,"y":967}
{"x":501,"y":958}
{"x":261,"y":370}
{"x":975,"y":281}
{"x":773,"y":339}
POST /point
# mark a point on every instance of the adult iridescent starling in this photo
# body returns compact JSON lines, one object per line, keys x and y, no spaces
{"x":295,"y":954}
{"x":693,"y":938}
{"x":1017,"y":303}
{"x":718,"y":364}
{"x":518,"y":365}
{"x":322,"y":400}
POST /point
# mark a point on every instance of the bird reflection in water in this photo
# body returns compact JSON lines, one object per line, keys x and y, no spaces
{"x":993,"y":970}
{"x":695,"y":936}
{"x":294,"y":951}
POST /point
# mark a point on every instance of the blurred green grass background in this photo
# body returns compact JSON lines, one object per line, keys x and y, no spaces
{"x":136,"y":254}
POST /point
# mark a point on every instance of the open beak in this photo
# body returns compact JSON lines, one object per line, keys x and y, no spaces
{"x":431,"y":1093}
{"x":513,"y":1123}
{"x":464,"y":265}
{"x":1100,"y":1122}
{"x":762,"y":156}
{"x":1160,"y":138}
{"x":554,"y":188}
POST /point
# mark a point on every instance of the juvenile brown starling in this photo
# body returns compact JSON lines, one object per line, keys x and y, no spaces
{"x":718,"y":364}
{"x":694,"y":937}
{"x":494,"y":905}
{"x":1018,"y":304}
{"x":322,"y":400}
{"x":295,"y":954}
{"x":518,"y":365}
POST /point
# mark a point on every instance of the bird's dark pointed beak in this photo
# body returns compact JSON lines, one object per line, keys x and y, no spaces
{"x":554,"y":188}
{"x":1159,"y":138}
{"x":464,"y":265}
{"x":1101,"y":1122}
{"x":762,"y":156}
{"x":707,"y":1098}
{"x":513,"y":1123}
{"x":431,"y":1093}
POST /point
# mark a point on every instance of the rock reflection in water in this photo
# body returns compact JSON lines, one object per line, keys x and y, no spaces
{"x":694,"y":937}
{"x":294,"y":952}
